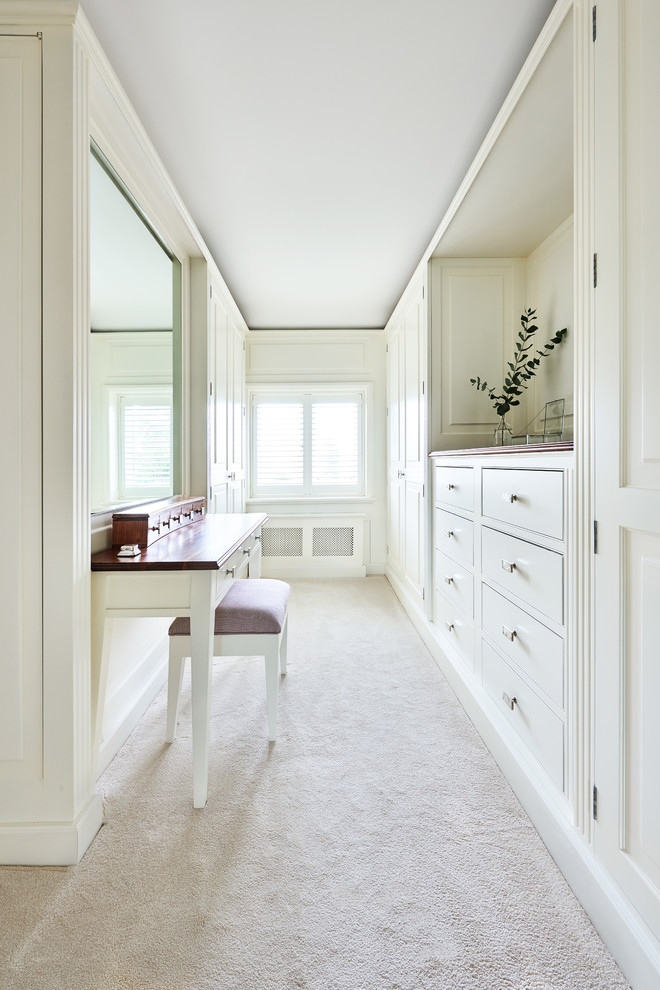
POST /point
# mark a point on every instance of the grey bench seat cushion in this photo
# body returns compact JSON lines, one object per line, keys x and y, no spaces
{"x":251,"y":606}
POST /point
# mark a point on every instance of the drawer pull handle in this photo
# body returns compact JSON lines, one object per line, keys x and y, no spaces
{"x":450,"y":487}
{"x":510,"y":702}
{"x":510,"y":634}
{"x":507,"y":565}
{"x":246,"y":550}
{"x":509,"y":497}
{"x":449,"y":533}
{"x":231,"y":570}
{"x":450,"y":626}
{"x":448,"y":579}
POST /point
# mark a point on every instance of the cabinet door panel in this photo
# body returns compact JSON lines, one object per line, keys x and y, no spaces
{"x":20,"y":409}
{"x":627,"y":451}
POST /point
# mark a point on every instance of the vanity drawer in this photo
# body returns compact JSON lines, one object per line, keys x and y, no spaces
{"x":454,"y":486}
{"x":537,"y":650}
{"x":537,"y":726}
{"x":454,"y":581}
{"x":533,"y":500}
{"x":454,"y":625}
{"x":533,"y":573}
{"x":453,"y":535}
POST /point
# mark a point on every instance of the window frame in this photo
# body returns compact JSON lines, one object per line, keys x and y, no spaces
{"x":308,"y":394}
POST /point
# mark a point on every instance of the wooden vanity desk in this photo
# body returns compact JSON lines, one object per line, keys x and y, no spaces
{"x":184,"y":573}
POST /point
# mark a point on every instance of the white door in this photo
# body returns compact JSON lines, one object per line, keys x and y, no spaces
{"x":627,"y":449}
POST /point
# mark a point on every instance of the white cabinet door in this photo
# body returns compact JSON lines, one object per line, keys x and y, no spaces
{"x":218,"y":404}
{"x":627,"y":450}
{"x":407,"y":451}
{"x":235,"y":418}
{"x":20,"y":413}
{"x":395,"y":451}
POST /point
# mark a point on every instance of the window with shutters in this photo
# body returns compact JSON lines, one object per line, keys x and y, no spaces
{"x":144,"y":443}
{"x":308,"y":443}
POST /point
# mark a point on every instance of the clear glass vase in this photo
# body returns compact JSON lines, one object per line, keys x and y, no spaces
{"x":503,"y":436}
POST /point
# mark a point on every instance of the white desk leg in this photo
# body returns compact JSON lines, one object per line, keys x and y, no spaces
{"x":100,"y":656}
{"x":202,"y":619}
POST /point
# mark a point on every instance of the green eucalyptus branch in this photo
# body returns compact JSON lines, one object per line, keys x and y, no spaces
{"x":523,"y":367}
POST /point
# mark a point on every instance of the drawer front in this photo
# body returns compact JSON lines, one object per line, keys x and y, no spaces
{"x":453,"y":535}
{"x":537,"y":650}
{"x":455,"y":626}
{"x":454,"y":486}
{"x":454,"y":581}
{"x":537,"y":726}
{"x":534,"y":574}
{"x":533,"y":500}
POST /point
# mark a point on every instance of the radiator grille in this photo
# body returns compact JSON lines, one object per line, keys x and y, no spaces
{"x":282,"y":541}
{"x":332,"y":541}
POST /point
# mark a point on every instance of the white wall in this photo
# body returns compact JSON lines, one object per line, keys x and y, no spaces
{"x":550,"y":292}
{"x":323,"y":356}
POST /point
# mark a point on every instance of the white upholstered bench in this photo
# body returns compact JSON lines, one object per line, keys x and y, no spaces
{"x":251,"y":620}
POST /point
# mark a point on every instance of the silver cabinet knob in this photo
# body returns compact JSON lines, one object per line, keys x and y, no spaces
{"x":450,"y":626}
{"x":448,"y":579}
{"x":509,"y":497}
{"x":510,"y":702}
{"x":507,"y":565}
{"x":509,"y":634}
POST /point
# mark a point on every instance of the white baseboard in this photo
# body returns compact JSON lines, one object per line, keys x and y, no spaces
{"x":51,"y":843}
{"x":621,"y":928}
{"x":149,"y":677}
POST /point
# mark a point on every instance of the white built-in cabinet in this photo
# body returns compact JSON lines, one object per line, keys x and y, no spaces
{"x":545,"y":567}
{"x":407,"y":446}
{"x":227,"y":410}
{"x":500,"y":597}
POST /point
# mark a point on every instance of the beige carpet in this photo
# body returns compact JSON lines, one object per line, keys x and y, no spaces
{"x":374,"y":846}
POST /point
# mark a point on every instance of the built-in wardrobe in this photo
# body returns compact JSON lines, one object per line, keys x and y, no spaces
{"x":533,"y":573}
{"x":66,"y":127}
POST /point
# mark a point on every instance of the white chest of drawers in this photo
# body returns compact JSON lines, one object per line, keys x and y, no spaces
{"x":500,"y":530}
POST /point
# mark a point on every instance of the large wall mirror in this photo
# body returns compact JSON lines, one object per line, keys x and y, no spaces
{"x":135,"y":349}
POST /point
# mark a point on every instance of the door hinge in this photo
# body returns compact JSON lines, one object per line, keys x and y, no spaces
{"x":594,"y":803}
{"x":423,"y":594}
{"x":210,"y":388}
{"x":595,"y":536}
{"x":595,"y":270}
{"x":423,"y":387}
{"x":210,"y":292}
{"x":593,"y":23}
{"x":423,"y":489}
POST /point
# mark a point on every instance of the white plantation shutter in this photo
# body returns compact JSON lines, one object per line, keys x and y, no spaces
{"x":279,"y":445}
{"x":335,"y":439}
{"x":308,"y":444}
{"x":145,"y":432}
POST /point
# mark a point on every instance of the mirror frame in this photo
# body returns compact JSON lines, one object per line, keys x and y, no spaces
{"x":177,"y":357}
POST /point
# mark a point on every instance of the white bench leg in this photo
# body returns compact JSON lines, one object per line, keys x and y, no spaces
{"x":174,"y":681}
{"x":271,"y":659}
{"x":284,"y":644}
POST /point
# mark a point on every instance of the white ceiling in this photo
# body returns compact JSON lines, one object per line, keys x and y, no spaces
{"x":317,"y":143}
